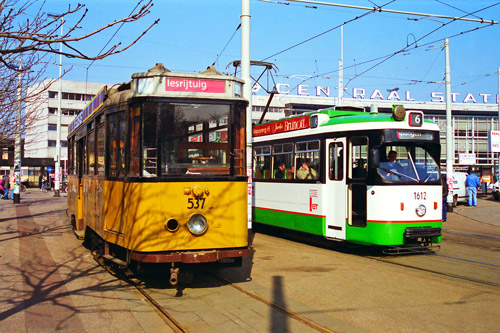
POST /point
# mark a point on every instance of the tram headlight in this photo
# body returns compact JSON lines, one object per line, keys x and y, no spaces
{"x":420,"y":210}
{"x":197,"y":224}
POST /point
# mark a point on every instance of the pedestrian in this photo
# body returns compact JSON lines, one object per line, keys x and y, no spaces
{"x":40,"y":178}
{"x":6,"y":185}
{"x":472,"y":183}
{"x":12,"y":182}
{"x":445,"y":197}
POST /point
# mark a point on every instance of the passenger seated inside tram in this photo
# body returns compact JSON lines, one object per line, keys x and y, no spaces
{"x":392,"y":168}
{"x":305,"y":171}
{"x":280,"y":172}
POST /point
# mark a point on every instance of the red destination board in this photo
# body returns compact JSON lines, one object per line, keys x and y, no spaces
{"x":195,"y":85}
{"x":281,"y":126}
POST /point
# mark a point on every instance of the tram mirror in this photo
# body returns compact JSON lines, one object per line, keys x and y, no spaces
{"x":375,"y":157}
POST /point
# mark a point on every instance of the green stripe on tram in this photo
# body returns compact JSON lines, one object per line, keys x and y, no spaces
{"x":354,"y":117}
{"x":305,"y":223}
{"x":385,"y":233}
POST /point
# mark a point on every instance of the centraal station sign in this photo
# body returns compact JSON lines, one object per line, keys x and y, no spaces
{"x":377,"y":94}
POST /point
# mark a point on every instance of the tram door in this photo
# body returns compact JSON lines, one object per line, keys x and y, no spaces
{"x":357,"y":173}
{"x":336,"y":189}
{"x":80,"y":155}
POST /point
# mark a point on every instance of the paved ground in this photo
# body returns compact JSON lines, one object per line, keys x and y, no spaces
{"x":49,"y":282}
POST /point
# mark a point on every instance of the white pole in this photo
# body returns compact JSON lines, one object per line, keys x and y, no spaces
{"x":247,"y":93}
{"x":498,"y":102}
{"x":57,"y":158}
{"x":450,"y":157}
{"x":17,"y":141}
{"x":341,"y":67}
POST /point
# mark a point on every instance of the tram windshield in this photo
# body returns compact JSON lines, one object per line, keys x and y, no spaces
{"x":187,"y":139}
{"x":407,"y":164}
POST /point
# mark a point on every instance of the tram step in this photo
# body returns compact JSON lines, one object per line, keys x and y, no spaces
{"x":120,"y":263}
{"x":80,"y":234}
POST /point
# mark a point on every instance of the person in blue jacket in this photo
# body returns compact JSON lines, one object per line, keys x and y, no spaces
{"x":472,"y":182}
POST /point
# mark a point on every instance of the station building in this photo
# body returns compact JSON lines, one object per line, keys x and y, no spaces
{"x":471,"y":122}
{"x":39,"y":147}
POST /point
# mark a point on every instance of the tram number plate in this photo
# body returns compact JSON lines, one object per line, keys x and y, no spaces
{"x":420,"y":195}
{"x":195,"y":203}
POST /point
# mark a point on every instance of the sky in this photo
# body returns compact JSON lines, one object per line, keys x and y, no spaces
{"x":381,"y":51}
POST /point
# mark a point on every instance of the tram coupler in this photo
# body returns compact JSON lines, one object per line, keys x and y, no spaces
{"x":173,"y":275}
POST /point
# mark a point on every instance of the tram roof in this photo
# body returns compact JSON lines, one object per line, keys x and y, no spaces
{"x":330,"y":117}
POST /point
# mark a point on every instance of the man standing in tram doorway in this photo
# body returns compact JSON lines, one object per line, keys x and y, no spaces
{"x":472,"y":183}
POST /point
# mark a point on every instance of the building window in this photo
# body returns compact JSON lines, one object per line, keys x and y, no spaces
{"x":53,"y":143}
{"x":52,"y":127}
{"x":5,"y":153}
{"x":52,"y":94}
{"x":70,"y":112}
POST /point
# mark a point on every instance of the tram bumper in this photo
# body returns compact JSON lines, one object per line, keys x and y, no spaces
{"x":190,"y":257}
{"x":421,"y":234}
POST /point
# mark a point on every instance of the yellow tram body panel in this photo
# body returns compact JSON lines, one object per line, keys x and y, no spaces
{"x":135,"y":215}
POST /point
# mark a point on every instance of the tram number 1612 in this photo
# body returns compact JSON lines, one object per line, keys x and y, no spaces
{"x":420,"y":195}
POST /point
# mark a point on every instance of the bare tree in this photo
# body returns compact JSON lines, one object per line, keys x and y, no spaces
{"x":26,"y":42}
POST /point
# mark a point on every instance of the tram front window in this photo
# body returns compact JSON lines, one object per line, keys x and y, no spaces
{"x":194,"y":139}
{"x":407,"y":164}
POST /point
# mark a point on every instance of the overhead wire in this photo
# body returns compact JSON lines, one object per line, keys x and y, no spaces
{"x":234,"y":33}
{"x":406,"y":49}
{"x":109,"y":40}
{"x":463,"y":11}
{"x":386,"y":57}
{"x":327,"y":31}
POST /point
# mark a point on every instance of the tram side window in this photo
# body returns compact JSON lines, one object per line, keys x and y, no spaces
{"x":100,"y":167}
{"x":336,"y":164}
{"x":71,"y":158}
{"x":149,"y":140}
{"x":84,"y":156}
{"x":135,"y":147}
{"x":91,"y":152}
{"x":262,"y":162}
{"x":283,"y":161}
{"x":307,"y":160}
{"x":116,"y":146}
{"x":358,"y":166}
{"x":239,"y":140}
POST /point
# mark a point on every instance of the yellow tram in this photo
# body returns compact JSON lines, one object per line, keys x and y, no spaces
{"x":157,"y":170}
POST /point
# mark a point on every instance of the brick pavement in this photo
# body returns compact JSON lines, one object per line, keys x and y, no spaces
{"x":49,"y":282}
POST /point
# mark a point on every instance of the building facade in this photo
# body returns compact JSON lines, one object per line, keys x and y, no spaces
{"x":41,"y":135}
{"x":471,"y":123}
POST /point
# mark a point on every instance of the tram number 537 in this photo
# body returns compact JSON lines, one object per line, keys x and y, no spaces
{"x":195,"y":203}
{"x":420,"y":195}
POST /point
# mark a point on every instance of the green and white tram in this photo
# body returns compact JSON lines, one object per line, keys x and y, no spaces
{"x":349,"y":175}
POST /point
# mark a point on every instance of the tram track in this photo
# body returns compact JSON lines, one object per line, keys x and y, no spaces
{"x":177,"y":326}
{"x":167,"y":317}
{"x":274,"y":305}
{"x":442,"y":273}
